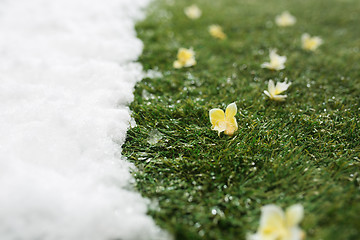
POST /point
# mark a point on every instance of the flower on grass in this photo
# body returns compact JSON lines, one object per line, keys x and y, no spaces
{"x":185,"y":58}
{"x":224,"y":122}
{"x":310,"y":43}
{"x":276,"y":61}
{"x":274,"y":91}
{"x":217,"y":32}
{"x":192,"y":12}
{"x":277,"y":225}
{"x":285,"y":19}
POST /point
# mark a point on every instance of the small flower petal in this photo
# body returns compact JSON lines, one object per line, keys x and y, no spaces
{"x":190,"y":62}
{"x":305,"y":37}
{"x":231,"y":110}
{"x":224,"y":122}
{"x":220,"y":127}
{"x":272,"y":217}
{"x":267,"y":93}
{"x":273,"y":54}
{"x":271,"y":87}
{"x":274,"y":91}
{"x":216,"y":115}
{"x":310,"y":43}
{"x":192,"y":12}
{"x":294,"y":215}
{"x":276,"y":61}
{"x":217,"y":119}
{"x":275,"y":225}
{"x":281,"y":87}
{"x":279,"y":98}
{"x":266,"y":65}
{"x":177,"y":64}
{"x":185,"y":58}
{"x":285,"y":19}
{"x":217,"y":32}
{"x":231,"y":126}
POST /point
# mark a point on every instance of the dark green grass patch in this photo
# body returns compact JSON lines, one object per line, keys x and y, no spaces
{"x":305,"y":150}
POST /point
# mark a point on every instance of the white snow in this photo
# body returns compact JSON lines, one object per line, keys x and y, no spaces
{"x":66,"y":77}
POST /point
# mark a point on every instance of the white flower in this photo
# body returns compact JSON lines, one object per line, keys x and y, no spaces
{"x":185,"y":58}
{"x":276,"y":61}
{"x":274,"y":91}
{"x":192,"y":12}
{"x":277,"y":225}
{"x":310,"y":43}
{"x":224,"y":122}
{"x":285,"y":19}
{"x":217,"y":32}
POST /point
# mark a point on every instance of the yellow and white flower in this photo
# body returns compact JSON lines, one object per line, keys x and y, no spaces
{"x":274,"y":91}
{"x":277,"y":62}
{"x":310,"y":43}
{"x":185,"y":58}
{"x":217,"y":32}
{"x":285,"y":19}
{"x":192,"y":12}
{"x":224,"y":122}
{"x":277,"y":225}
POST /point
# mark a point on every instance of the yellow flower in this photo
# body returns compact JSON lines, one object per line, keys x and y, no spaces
{"x":276,"y":61}
{"x":185,"y":58}
{"x":310,"y":43}
{"x":274,"y":91}
{"x":217,"y":32}
{"x":285,"y":19}
{"x":224,"y":122}
{"x":277,"y":225}
{"x":192,"y":12}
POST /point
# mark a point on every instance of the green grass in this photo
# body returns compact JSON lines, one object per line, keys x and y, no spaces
{"x":305,"y":150}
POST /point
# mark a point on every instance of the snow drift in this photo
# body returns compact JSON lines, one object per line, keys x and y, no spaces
{"x":66,"y":76}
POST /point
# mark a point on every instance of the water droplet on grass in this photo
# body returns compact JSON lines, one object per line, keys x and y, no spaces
{"x":228,"y":198}
{"x":213,"y":211}
{"x":154,"y":137}
{"x":146,"y":95}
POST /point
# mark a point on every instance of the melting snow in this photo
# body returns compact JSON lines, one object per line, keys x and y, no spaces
{"x":154,"y":137}
{"x":66,"y":77}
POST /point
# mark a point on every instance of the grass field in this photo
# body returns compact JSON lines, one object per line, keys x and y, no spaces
{"x":304,"y":150}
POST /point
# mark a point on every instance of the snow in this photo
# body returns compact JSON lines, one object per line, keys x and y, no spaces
{"x":66,"y":78}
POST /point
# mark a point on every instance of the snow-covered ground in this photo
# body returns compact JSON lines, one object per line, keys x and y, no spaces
{"x":66,"y":76}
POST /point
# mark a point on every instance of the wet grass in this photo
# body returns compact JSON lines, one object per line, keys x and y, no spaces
{"x":305,"y":150}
